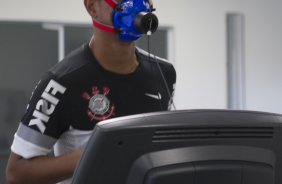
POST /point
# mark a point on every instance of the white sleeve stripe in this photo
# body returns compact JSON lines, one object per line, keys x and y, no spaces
{"x":26,"y":149}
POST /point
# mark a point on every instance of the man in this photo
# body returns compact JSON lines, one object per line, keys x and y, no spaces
{"x":107,"y":78}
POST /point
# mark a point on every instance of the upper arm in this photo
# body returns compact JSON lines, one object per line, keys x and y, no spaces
{"x":13,"y":160}
{"x":41,"y":169}
{"x":12,"y":166}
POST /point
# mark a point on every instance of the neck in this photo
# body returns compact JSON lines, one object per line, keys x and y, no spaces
{"x":112,"y":54}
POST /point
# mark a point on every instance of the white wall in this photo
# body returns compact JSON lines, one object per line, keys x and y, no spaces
{"x":199,"y":45}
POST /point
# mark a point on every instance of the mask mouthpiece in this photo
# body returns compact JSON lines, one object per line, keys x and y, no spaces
{"x":146,"y":23}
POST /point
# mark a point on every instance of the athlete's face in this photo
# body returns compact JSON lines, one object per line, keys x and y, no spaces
{"x":99,"y":10}
{"x":103,"y":12}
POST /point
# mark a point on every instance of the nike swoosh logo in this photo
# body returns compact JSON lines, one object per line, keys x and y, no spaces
{"x":157,"y":97}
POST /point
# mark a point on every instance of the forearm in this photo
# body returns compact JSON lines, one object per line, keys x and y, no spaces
{"x":43,"y":169}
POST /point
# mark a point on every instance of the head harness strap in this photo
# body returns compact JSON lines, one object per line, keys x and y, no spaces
{"x":104,"y":27}
{"x":111,"y":3}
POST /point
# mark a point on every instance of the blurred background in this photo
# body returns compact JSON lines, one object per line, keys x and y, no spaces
{"x":227,"y":53}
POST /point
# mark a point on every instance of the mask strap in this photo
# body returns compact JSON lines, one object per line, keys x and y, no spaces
{"x":111,"y":3}
{"x":104,"y":27}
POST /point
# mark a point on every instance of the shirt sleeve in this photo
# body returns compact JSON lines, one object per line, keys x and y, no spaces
{"x":44,"y":120}
{"x":171,"y":78}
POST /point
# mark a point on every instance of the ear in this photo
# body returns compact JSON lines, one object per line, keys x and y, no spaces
{"x":90,"y":7}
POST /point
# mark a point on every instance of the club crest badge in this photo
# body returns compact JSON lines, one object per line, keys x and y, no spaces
{"x":99,"y":106}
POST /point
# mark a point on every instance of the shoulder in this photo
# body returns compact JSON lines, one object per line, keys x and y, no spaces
{"x":64,"y":75}
{"x":145,"y":55}
{"x":151,"y":60}
{"x":75,"y":61}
